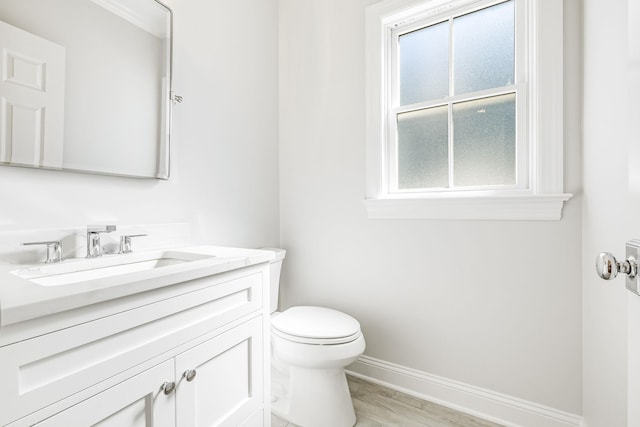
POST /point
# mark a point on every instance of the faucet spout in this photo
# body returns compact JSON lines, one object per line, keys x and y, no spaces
{"x":94,"y":248}
{"x":100,"y":228}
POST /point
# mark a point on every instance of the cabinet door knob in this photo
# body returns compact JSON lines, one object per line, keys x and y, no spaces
{"x":189,"y":374}
{"x":168,"y":387}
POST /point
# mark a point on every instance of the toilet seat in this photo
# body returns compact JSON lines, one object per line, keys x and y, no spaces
{"x":316,"y":325}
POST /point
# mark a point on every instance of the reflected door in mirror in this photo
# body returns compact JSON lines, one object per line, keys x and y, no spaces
{"x":31,"y":99}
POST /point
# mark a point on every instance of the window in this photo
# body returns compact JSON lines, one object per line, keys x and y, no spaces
{"x":455,"y":124}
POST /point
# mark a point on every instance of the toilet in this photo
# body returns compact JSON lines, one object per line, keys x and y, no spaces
{"x":310,"y":347}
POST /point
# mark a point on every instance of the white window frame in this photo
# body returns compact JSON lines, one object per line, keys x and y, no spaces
{"x":539,"y":195}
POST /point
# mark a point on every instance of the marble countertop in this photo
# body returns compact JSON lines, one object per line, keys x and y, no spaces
{"x":22,"y":299}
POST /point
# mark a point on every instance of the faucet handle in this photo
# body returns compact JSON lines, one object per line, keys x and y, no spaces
{"x":54,"y":250}
{"x":125,"y":243}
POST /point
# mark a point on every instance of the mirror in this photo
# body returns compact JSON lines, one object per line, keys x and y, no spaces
{"x":85,"y":85}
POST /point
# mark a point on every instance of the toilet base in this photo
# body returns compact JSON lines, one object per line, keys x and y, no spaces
{"x":313,"y":398}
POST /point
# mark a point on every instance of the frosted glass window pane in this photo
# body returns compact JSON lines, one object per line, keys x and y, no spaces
{"x":484,"y":49}
{"x":484,"y":141}
{"x":424,"y":64}
{"x":423,"y":154}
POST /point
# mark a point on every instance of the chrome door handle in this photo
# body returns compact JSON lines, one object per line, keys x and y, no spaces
{"x":608,"y":267}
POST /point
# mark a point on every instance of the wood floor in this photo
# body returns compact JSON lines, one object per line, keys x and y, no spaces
{"x":378,"y":406}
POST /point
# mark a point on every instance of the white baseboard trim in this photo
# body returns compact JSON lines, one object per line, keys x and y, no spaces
{"x":489,"y":405}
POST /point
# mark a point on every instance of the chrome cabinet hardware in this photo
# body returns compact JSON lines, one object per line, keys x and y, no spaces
{"x":54,"y":250}
{"x":168,"y":387}
{"x":608,"y":267}
{"x":94,"y":248}
{"x":189,"y":374}
{"x":125,"y":243}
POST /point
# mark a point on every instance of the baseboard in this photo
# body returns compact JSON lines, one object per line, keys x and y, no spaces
{"x":489,"y":405}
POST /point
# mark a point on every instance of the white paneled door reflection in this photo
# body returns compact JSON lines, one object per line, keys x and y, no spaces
{"x":32,"y":88}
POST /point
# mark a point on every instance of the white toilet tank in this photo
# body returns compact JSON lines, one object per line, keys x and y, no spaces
{"x":276,"y":265}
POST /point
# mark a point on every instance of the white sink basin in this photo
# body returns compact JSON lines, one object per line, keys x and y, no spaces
{"x":82,"y":270}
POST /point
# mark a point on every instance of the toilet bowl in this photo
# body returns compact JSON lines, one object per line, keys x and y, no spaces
{"x":311,"y":346}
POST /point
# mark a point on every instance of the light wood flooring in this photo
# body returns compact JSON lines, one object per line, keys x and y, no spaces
{"x":378,"y":406}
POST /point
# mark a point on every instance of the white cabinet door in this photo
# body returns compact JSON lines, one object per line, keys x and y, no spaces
{"x":136,"y":402}
{"x":228,"y":384}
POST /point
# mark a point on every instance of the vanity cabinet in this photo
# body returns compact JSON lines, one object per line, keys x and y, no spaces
{"x":136,"y":402}
{"x":193,"y":354}
{"x":219,"y":382}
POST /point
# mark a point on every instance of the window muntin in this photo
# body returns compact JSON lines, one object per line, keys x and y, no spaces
{"x":471,"y":63}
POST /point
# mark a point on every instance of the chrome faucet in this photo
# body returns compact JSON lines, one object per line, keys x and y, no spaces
{"x":54,"y":250}
{"x":94,"y":248}
{"x":125,"y":243}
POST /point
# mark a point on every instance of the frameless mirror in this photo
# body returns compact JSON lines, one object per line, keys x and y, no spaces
{"x":85,"y":85}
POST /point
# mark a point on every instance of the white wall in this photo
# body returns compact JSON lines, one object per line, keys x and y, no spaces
{"x":224,"y":165}
{"x":492,"y":304}
{"x":604,"y":226}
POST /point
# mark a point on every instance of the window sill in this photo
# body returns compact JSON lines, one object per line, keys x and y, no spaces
{"x":529,"y":207}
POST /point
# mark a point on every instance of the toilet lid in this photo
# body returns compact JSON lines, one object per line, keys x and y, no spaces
{"x":316,"y":325}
